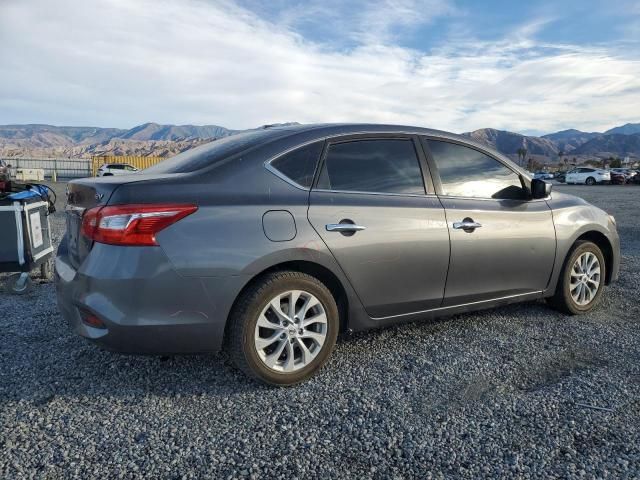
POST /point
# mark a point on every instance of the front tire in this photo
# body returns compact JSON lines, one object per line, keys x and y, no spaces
{"x":283,"y":328}
{"x":590,"y":181}
{"x":581,"y":280}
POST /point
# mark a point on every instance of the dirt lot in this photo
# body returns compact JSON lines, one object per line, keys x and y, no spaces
{"x":520,"y":391}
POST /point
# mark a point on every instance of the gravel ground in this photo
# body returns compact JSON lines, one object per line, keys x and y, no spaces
{"x":520,"y":391}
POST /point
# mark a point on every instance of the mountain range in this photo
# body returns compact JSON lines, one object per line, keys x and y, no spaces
{"x":35,"y":140}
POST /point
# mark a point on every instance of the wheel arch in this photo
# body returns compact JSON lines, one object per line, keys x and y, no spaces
{"x":605,"y":246}
{"x":316,"y":270}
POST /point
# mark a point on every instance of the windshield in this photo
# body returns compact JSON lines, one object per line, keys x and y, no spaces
{"x":213,"y":152}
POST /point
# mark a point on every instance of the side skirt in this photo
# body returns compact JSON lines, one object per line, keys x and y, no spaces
{"x":361,"y":321}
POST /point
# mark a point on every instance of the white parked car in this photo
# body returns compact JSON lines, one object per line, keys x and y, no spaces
{"x":543,"y":175}
{"x":110,"y":169}
{"x":588,"y":176}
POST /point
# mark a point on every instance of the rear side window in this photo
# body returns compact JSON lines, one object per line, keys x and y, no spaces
{"x":299,"y":165}
{"x":377,"y":166}
{"x":466,"y":172}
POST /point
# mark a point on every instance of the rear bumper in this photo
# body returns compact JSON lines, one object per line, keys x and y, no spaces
{"x":145,"y":305}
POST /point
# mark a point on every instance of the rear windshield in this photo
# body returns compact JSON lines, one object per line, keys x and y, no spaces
{"x":213,"y":152}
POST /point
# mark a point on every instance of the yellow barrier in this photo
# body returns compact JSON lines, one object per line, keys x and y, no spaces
{"x":138,"y":162}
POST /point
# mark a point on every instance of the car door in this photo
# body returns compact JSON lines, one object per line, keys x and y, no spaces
{"x":387,"y":232}
{"x":502,"y":244}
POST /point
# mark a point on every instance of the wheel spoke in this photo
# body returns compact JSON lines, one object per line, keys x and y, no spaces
{"x":272,"y":359}
{"x":594,"y":282}
{"x":309,"y":303}
{"x":316,"y":337}
{"x":289,"y":362}
{"x":307,"y":356}
{"x":318,"y":318}
{"x":265,"y":323}
{"x":294,"y":295}
{"x":264,"y":342}
{"x":277,"y":309}
{"x":585,"y":294}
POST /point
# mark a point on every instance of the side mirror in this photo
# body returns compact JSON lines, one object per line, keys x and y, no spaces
{"x":540,"y":188}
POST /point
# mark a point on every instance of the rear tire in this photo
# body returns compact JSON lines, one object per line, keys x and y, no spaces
{"x":590,"y":181}
{"x":279,"y":346}
{"x":579,"y":289}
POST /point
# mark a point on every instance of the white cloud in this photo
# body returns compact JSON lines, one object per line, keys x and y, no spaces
{"x":120,"y":63}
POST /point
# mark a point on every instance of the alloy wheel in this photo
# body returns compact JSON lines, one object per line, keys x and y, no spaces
{"x":585,"y":278}
{"x":290,"y":331}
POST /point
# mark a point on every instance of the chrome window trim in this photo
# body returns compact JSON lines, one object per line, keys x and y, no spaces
{"x":384,"y":194}
{"x":275,"y":171}
{"x":453,"y":197}
{"x":282,"y":176}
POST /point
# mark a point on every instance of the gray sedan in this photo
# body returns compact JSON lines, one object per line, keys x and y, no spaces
{"x":269,"y":243}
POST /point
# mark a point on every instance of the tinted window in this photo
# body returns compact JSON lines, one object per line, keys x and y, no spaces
{"x":384,"y":166}
{"x":116,"y":166}
{"x":215,"y":151}
{"x":300,"y":164}
{"x":465,"y":172}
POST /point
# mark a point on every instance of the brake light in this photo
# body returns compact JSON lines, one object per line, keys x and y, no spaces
{"x":132,"y":225}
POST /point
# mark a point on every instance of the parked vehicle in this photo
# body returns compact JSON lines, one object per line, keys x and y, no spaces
{"x":5,"y":176}
{"x":626,"y":172}
{"x":270,"y":242}
{"x":588,"y":176}
{"x":561,"y":177}
{"x":110,"y":169}
{"x":618,"y":178}
{"x":543,"y":175}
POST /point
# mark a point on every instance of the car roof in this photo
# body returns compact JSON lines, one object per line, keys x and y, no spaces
{"x":331,"y":129}
{"x":322,"y":130}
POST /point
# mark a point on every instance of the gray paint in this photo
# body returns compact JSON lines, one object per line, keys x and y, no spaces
{"x":177,"y":297}
{"x":279,"y":225}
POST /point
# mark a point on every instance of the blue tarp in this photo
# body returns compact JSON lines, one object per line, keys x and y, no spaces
{"x":33,"y":191}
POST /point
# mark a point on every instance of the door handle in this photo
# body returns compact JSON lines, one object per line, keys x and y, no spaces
{"x":468,"y":225}
{"x":344,"y":227}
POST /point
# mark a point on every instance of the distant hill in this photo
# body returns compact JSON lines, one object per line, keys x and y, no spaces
{"x":147,"y":139}
{"x":568,"y":140}
{"x":153,"y":139}
{"x":627,"y":129}
{"x":509,"y":143}
{"x":616,"y":144}
{"x":154,"y":131}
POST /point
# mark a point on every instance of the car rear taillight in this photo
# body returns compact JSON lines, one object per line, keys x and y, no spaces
{"x":132,"y":225}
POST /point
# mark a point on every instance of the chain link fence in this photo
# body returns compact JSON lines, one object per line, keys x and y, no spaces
{"x":64,"y":167}
{"x":67,"y":168}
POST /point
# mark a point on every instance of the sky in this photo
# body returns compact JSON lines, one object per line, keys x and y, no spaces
{"x":531,"y":67}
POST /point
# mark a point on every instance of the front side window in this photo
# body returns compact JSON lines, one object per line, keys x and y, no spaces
{"x":299,"y":165}
{"x":466,"y":172}
{"x":376,"y":166}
